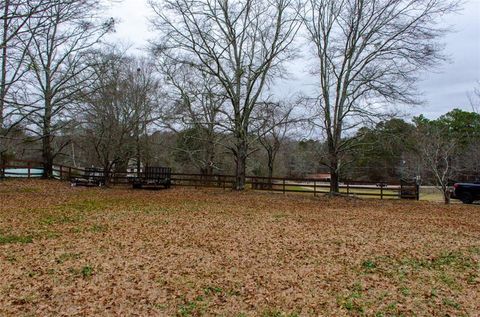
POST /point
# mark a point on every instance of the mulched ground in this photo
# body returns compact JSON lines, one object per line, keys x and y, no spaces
{"x":83,"y":252}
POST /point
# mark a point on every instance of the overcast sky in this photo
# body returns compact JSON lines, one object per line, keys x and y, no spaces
{"x":444,"y":88}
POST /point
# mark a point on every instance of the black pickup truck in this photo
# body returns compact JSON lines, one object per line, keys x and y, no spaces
{"x":466,"y":192}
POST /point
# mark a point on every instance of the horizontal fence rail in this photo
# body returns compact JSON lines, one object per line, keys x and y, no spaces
{"x":382,"y":190}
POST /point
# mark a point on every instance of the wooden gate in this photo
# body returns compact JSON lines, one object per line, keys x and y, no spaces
{"x":409,"y":189}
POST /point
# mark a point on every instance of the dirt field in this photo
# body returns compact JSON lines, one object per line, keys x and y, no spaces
{"x":84,"y":252}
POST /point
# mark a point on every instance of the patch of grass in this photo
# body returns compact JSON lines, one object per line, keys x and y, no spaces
{"x":192,"y":308}
{"x":452,"y":259}
{"x":369,"y":265}
{"x":453,"y":262}
{"x":391,"y":311}
{"x":160,"y":306}
{"x":448,"y":280}
{"x":87,"y":271}
{"x":152,"y":210}
{"x":472,"y":278}
{"x":352,"y":302}
{"x":76,"y":230}
{"x":405,"y":291}
{"x":98,"y":228}
{"x":233,"y":292}
{"x":62,"y":258}
{"x":85,"y":205}
{"x":6,"y":239}
{"x":279,"y":216}
{"x":474,"y":250}
{"x":451,"y":303}
{"x":212,"y":290}
{"x":24,"y":190}
{"x":392,"y":307}
{"x":25,"y":300}
{"x":84,"y":272}
{"x":351,"y":305}
{"x":48,"y":234}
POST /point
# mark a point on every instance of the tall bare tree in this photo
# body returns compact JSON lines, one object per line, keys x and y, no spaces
{"x":118,"y":109}
{"x":142,"y":88}
{"x":59,"y":67}
{"x":196,"y":99}
{"x":275,"y":120}
{"x":370,"y":54}
{"x":15,"y":18}
{"x":437,"y":152}
{"x":240,"y":43}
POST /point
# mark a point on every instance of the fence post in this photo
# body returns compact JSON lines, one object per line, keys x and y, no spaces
{"x":69,"y":172}
{"x":61,"y":174}
{"x":2,"y":169}
{"x":381,"y":191}
{"x":315,"y":188}
{"x":284,"y":185}
{"x":28,"y":170}
{"x":348,"y":189}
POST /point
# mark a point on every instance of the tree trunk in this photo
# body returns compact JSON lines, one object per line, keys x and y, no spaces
{"x":333,"y":139}
{"x":334,"y":169}
{"x":446,"y":196}
{"x":271,"y":161}
{"x":138,"y":156}
{"x":270,"y":173}
{"x":334,"y":178}
{"x":47,"y":152}
{"x":241,"y":163}
{"x":107,"y":166}
{"x":47,"y":156}
{"x":210,"y":157}
{"x":3,"y":81}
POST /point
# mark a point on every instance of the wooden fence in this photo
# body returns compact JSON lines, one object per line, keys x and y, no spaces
{"x":382,"y":190}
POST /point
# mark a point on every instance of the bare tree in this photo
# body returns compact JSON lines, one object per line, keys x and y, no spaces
{"x":437,"y":152}
{"x":239,"y":43}
{"x":196,"y":99}
{"x":106,"y":118}
{"x":118,"y":110}
{"x":142,"y":89}
{"x":59,"y":67}
{"x":369,"y":54}
{"x":15,"y":18}
{"x":276,"y":118}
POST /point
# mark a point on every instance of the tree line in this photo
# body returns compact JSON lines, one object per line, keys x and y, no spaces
{"x":204,"y":97}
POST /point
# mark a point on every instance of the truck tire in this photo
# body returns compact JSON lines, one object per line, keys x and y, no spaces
{"x":466,"y":198}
